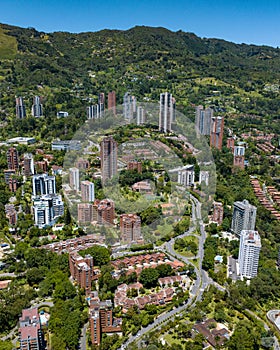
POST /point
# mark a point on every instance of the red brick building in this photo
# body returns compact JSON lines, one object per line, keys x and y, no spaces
{"x":217,"y":132}
{"x":82,"y":270}
{"x":42,"y":165}
{"x":218,"y":212}
{"x":112,"y":101}
{"x":135,"y":165}
{"x":85,"y":213}
{"x":230,"y":143}
{"x":82,"y":164}
{"x":101,"y":319}
{"x":13,"y":185}
{"x":12,"y":158}
{"x":130,"y":226}
{"x":104,"y":212}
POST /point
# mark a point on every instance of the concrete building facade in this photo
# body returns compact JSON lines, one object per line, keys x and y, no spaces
{"x":243,"y":217}
{"x":249,"y":251}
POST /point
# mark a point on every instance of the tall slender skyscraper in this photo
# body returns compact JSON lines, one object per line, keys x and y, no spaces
{"x":217,"y":132}
{"x":87,"y":191}
{"x":95,"y":111}
{"x":141,"y":116}
{"x":74,"y":178}
{"x":112,"y":101}
{"x":12,"y":159}
{"x":101,"y":103}
{"x":37,"y":107}
{"x":20,"y":108}
{"x":243,"y":217}
{"x":249,"y":252}
{"x":166,"y":112}
{"x":129,"y":106}
{"x":203,"y":119}
{"x":109,"y":158}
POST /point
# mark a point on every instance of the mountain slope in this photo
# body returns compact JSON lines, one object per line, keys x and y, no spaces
{"x":144,"y":60}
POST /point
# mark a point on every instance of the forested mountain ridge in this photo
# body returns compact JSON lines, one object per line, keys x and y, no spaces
{"x":73,"y":55}
{"x":236,"y":78}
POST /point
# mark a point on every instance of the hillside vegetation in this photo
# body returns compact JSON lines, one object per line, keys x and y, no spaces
{"x":66,"y":69}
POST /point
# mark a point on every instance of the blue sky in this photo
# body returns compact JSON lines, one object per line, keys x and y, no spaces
{"x":248,"y":21}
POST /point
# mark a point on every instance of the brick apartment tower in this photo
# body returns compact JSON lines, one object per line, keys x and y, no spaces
{"x":109,"y":158}
{"x":13,"y":184}
{"x":230,"y":143}
{"x":82,"y":270}
{"x":112,"y":101}
{"x":134,"y":165}
{"x":218,"y":212}
{"x":12,"y":159}
{"x":217,"y":132}
{"x":85,"y":213}
{"x":42,"y":165}
{"x":130,"y":226}
{"x":8,"y":174}
{"x":104,"y":212}
{"x":82,"y":164}
{"x":101,"y":319}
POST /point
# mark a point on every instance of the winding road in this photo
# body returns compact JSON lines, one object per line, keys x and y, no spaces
{"x":201,"y":283}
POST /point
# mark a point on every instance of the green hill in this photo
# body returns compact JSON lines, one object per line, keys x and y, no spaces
{"x":231,"y":77}
{"x":8,"y":45}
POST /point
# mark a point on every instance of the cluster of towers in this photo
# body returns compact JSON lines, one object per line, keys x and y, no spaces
{"x":207,"y":124}
{"x":36,"y":109}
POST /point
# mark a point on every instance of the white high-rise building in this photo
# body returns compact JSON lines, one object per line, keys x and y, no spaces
{"x":166,"y":112}
{"x":20,"y":108}
{"x":58,"y":206}
{"x":141,"y":116}
{"x":74,"y":178}
{"x":95,"y":111}
{"x":249,"y":252}
{"x":129,"y":106}
{"x":47,"y":209}
{"x":87,"y":191}
{"x":43,"y":184}
{"x":43,"y":211}
{"x":185,"y":175}
{"x":204,"y":177}
{"x":37,"y":108}
{"x":239,"y":151}
{"x":243,"y":217}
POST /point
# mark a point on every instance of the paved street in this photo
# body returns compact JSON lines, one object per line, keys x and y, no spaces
{"x":83,"y":339}
{"x":201,"y":283}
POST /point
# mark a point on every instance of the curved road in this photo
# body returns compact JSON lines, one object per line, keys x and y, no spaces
{"x":202,"y":280}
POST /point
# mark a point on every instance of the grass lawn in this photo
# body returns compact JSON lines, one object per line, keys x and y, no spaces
{"x":8,"y":45}
{"x":184,"y":251}
{"x":171,"y":341}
